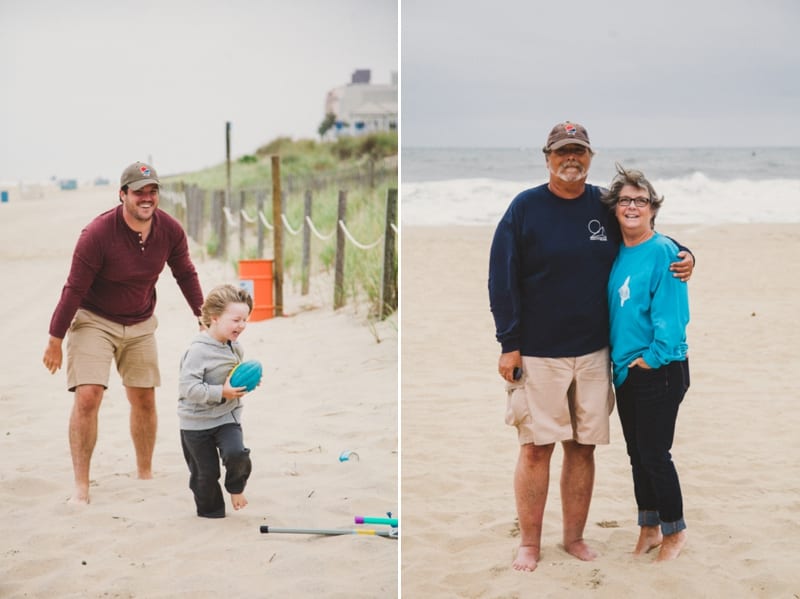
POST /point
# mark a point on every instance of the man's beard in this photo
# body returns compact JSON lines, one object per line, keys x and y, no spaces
{"x":578,"y":173}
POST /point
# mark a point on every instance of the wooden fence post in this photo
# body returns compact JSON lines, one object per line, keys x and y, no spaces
{"x":306,"y":265}
{"x":191,"y":212}
{"x":199,"y":196}
{"x":187,"y":195}
{"x":259,"y":211}
{"x":277,"y":238}
{"x":180,"y":210}
{"x":283,"y":215}
{"x":242,"y":223}
{"x":338,"y":282}
{"x":372,"y":173}
{"x":222,"y":223}
{"x":389,"y":289}
{"x":228,"y":162}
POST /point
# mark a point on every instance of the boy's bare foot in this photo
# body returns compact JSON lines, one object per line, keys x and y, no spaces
{"x":650,"y":537}
{"x":238,"y":500}
{"x":671,"y":546}
{"x":527,"y":559}
{"x":580,"y":550}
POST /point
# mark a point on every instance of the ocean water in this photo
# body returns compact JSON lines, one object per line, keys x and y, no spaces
{"x":471,"y":186}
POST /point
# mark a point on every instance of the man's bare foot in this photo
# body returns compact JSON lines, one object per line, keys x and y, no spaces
{"x":238,"y":500}
{"x":671,"y":546}
{"x":527,"y":559}
{"x":144,"y":474}
{"x":650,"y":537}
{"x":580,"y":550}
{"x":80,"y":496}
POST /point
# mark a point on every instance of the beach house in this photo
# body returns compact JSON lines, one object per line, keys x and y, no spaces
{"x":362,"y":106}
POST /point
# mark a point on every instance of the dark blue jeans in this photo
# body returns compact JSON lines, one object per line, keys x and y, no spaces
{"x":202,"y":451}
{"x":648,"y":403}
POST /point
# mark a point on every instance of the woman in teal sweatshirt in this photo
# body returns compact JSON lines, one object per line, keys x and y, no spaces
{"x":649,"y":311}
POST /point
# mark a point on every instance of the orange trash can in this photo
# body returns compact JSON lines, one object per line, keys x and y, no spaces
{"x":256,"y":277}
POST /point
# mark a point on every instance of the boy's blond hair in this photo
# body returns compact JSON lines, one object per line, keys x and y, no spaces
{"x":219,"y":298}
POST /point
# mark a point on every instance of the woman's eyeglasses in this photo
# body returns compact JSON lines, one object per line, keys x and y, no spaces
{"x":638,"y":202}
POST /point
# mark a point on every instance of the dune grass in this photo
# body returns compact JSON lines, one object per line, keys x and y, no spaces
{"x":325,"y":169}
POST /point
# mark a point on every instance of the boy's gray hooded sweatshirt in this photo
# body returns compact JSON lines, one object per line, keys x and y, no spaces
{"x":204,"y":368}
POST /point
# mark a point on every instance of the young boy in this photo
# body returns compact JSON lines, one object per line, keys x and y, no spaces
{"x":209,"y":409}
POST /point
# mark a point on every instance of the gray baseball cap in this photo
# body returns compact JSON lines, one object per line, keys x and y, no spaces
{"x":567,"y":133}
{"x":137,"y":175}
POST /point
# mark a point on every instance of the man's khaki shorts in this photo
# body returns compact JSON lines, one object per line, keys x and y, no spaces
{"x":561,"y":399}
{"x":92,"y":342}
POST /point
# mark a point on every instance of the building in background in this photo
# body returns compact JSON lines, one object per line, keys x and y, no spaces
{"x":361,"y":106}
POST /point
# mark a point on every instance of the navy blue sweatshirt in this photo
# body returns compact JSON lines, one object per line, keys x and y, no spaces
{"x":548,"y":272}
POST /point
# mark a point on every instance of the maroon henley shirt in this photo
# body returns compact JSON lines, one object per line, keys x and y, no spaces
{"x":114,"y":273}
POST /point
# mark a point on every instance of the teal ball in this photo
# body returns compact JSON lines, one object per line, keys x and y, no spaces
{"x":247,"y":374}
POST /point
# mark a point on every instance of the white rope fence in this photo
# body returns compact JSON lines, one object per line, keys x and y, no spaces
{"x":265,"y":222}
{"x":360,"y":246}
{"x":247,"y":218}
{"x":229,"y":217}
{"x":363,"y":246}
{"x":319,"y":235}
{"x":228,"y":220}
{"x":288,"y":226}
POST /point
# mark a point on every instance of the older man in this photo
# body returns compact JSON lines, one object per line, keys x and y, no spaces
{"x":549,"y":265}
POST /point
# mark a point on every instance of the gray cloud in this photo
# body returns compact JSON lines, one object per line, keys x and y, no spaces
{"x":675,"y":73}
{"x":89,"y":86}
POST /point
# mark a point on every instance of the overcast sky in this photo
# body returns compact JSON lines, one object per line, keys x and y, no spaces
{"x":89,"y":86}
{"x":648,"y":74}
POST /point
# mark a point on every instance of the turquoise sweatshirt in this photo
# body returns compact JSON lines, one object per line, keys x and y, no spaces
{"x":648,"y":307}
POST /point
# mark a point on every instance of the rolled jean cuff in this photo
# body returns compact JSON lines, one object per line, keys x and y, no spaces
{"x":670,"y":528}
{"x":648,"y":518}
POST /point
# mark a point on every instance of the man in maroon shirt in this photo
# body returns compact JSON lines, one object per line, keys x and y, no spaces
{"x":107,"y":306}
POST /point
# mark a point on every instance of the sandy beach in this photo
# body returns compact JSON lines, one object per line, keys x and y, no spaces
{"x":329,"y":386}
{"x":737,"y":449}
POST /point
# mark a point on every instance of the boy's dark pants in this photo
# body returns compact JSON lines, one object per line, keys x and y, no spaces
{"x":200,"y":448}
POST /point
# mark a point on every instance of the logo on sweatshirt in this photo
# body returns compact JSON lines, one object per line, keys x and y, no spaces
{"x":624,"y":291}
{"x":597,"y":231}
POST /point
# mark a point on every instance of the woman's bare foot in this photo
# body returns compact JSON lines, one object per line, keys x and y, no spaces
{"x":650,"y":537}
{"x":238,"y":500}
{"x":527,"y":558}
{"x":671,"y":546}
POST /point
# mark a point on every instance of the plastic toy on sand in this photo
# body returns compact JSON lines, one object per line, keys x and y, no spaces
{"x":247,"y":374}
{"x":369,"y":520}
{"x":392,"y":534}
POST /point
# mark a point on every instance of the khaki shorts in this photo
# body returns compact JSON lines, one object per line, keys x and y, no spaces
{"x":561,"y":399}
{"x":92,"y":342}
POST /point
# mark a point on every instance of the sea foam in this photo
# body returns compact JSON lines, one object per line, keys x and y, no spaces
{"x":695,"y":199}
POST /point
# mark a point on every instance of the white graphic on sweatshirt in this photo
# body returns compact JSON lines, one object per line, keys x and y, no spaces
{"x":598,"y":231}
{"x":624,"y":292}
